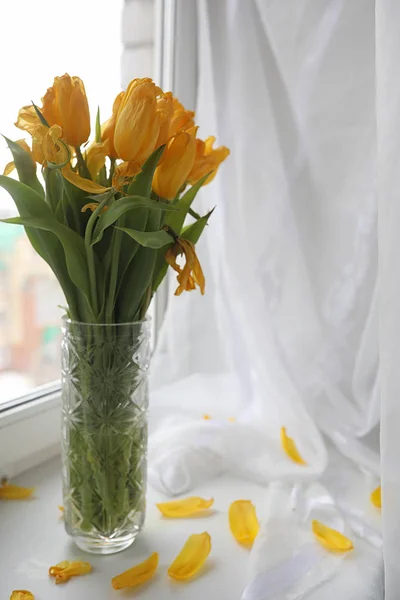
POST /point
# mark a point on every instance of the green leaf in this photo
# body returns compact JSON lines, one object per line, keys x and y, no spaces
{"x":135,"y":285}
{"x":149,"y":239}
{"x":177,"y":220}
{"x":98,"y":126}
{"x":141,"y":184}
{"x":73,"y":244}
{"x":30,"y":204}
{"x":121,"y":207}
{"x":25,"y":166}
{"x":54,"y":187}
{"x":40,"y":115}
{"x":194,"y":231}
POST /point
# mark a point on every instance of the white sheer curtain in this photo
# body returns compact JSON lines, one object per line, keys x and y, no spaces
{"x":287,"y":333}
{"x":388,"y":120}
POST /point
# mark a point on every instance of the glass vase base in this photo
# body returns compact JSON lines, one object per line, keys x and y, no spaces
{"x":104,"y":545}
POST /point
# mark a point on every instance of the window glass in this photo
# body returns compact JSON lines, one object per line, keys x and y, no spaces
{"x":38,"y":41}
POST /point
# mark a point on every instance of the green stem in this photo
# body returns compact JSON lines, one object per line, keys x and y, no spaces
{"x":91,"y":256}
{"x":83,"y":170}
{"x":112,"y":168}
{"x":111,"y":299}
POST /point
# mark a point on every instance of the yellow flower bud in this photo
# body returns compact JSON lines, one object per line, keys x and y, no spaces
{"x":138,"y":121}
{"x":108,"y":128}
{"x":175,"y":164}
{"x":207,"y":160}
{"x":65,"y":104}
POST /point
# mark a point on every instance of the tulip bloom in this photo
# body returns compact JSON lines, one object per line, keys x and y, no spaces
{"x":138,"y":122}
{"x":108,"y":128}
{"x":70,"y":106}
{"x":175,"y":164}
{"x":207,"y":160}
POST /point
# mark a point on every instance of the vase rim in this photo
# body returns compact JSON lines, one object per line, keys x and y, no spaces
{"x":68,"y":321}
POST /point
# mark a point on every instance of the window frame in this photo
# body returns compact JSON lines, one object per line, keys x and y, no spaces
{"x":30,"y":426}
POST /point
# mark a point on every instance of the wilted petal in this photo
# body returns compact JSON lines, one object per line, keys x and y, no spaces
{"x":243,"y":521}
{"x":136,"y":575}
{"x":15,"y":492}
{"x":290,"y":448}
{"x":84,"y":184}
{"x":376,"y":497}
{"x":9,"y":168}
{"x":22,"y":595}
{"x":185,"y":507}
{"x":63,"y":571}
{"x":92,"y":206}
{"x":207,"y":417}
{"x":330,"y":538}
{"x":192,"y":557}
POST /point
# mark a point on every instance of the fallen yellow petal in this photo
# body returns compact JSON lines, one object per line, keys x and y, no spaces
{"x":330,"y":538}
{"x":290,"y":448}
{"x":14,"y":492}
{"x":192,"y":557}
{"x":66,"y":569}
{"x":231,"y":419}
{"x":376,"y":497}
{"x":185,"y":507}
{"x":22,"y":595}
{"x":243,"y":522}
{"x":207,"y":417}
{"x":136,"y":575}
{"x":60,"y":508}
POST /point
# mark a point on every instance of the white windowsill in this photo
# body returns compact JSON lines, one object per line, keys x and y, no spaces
{"x":33,"y":539}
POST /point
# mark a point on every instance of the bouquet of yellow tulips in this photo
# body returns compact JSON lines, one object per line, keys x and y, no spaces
{"x":109,"y":219}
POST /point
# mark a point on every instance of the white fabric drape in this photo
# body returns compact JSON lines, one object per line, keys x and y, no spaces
{"x":287,"y":333}
{"x":388,"y":121}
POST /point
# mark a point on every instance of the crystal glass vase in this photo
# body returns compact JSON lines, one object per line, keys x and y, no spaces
{"x":104,"y":432}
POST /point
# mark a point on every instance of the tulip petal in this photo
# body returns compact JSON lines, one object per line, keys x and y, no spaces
{"x":63,"y":571}
{"x":290,"y":448}
{"x":136,"y":575}
{"x":243,"y":522}
{"x":185,"y":507}
{"x":330,"y":538}
{"x":84,"y":184}
{"x":9,"y":168}
{"x":15,"y":492}
{"x":376,"y":497}
{"x":22,"y":595}
{"x":191,"y":558}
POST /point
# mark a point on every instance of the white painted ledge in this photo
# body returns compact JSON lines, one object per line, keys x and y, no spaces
{"x":33,"y":538}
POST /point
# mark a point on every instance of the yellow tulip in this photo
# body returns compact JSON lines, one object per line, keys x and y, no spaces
{"x":182,"y":119}
{"x":175,"y":164}
{"x":138,"y":122}
{"x":47,"y":145}
{"x":96,"y":157}
{"x":108,"y":128}
{"x":65,"y":104}
{"x":165,"y":110}
{"x":207,"y":160}
{"x":27,"y":119}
